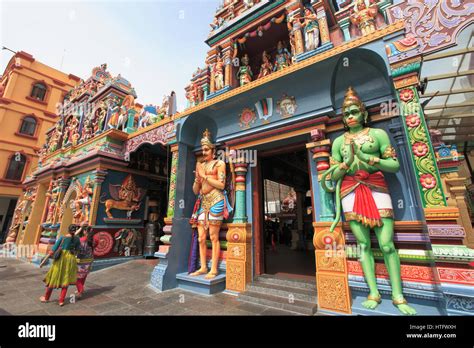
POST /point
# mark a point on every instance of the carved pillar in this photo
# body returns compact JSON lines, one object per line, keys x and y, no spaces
{"x":323,"y":26}
{"x":99,"y":177}
{"x":294,"y":18}
{"x":331,"y":265}
{"x":344,"y":24}
{"x":444,"y":233}
{"x":211,"y":61}
{"x":166,"y":239}
{"x":240,"y":214}
{"x":456,"y":186}
{"x":321,"y":151}
{"x":239,"y":236}
{"x":228,"y":54}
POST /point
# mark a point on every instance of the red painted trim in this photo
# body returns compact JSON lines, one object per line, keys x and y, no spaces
{"x":26,"y":135}
{"x":58,"y":82}
{"x":46,"y":95}
{"x":50,"y":114}
{"x":25,"y":56}
{"x":74,"y":77}
{"x":313,"y":206}
{"x":257,"y":219}
{"x":38,"y":125}
{"x":25,"y":168}
{"x":18,"y":144}
{"x":36,"y":100}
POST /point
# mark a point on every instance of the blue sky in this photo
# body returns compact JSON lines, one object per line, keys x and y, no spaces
{"x":155,"y":44}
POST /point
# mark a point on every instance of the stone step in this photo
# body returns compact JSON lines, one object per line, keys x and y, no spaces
{"x":277,"y":302}
{"x":293,"y":283}
{"x":283,"y":291}
{"x":200,"y":284}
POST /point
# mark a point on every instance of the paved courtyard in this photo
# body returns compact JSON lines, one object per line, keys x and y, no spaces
{"x":117,"y":290}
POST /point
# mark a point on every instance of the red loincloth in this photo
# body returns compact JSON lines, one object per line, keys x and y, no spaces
{"x":362,"y":183}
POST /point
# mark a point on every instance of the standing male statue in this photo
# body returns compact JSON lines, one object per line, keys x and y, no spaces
{"x":212,"y":206}
{"x":359,"y":157}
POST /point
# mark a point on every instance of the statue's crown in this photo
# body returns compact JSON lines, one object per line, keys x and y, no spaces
{"x":351,"y":98}
{"x":206,"y":139}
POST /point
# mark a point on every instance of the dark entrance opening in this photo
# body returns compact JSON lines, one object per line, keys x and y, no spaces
{"x":286,"y":213}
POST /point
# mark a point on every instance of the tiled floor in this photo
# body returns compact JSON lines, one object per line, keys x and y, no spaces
{"x":118,"y":290}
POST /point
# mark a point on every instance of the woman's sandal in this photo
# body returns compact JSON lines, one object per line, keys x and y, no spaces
{"x":43,"y":299}
{"x":61,"y":304}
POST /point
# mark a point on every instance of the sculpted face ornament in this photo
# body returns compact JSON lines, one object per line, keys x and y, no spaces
{"x":287,"y":106}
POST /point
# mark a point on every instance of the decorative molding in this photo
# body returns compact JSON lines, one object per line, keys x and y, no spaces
{"x":408,"y":272}
{"x":435,"y":24}
{"x":456,"y":275}
{"x":462,"y":304}
{"x":453,"y":253}
{"x":446,"y":231}
{"x":239,"y":257}
{"x":160,"y":135}
{"x":333,"y":292}
{"x":424,"y":163}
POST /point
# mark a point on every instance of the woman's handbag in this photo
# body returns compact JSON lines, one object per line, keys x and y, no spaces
{"x":58,"y":252}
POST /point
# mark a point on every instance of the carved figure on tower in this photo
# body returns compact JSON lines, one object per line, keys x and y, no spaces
{"x":113,"y":110}
{"x":245,"y":74}
{"x":21,"y":210}
{"x":83,"y":200}
{"x":126,"y":196}
{"x":212,"y":205}
{"x":218,"y":73}
{"x":359,"y":158}
{"x":266,"y":68}
{"x":363,"y":15}
{"x":311,"y":29}
{"x":282,"y":58}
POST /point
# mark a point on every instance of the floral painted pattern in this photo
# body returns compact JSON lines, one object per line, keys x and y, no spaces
{"x":406,"y":95}
{"x":427,"y":181}
{"x":413,"y":120}
{"x":420,"y":149}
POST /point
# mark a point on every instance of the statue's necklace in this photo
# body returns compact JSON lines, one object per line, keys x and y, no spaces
{"x":359,"y":138}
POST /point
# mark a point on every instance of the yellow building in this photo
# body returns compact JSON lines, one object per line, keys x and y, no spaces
{"x":29,"y":93}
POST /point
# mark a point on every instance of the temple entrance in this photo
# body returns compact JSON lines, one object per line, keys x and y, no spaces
{"x":156,"y":160}
{"x":286,"y":230}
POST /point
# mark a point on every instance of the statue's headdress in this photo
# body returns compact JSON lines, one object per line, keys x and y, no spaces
{"x":206,"y":139}
{"x":351,"y":98}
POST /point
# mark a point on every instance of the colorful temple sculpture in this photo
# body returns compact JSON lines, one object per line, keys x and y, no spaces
{"x":324,"y":97}
{"x":89,"y":173}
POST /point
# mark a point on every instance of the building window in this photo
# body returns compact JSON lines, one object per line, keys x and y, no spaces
{"x":39,"y":91}
{"x":16,"y":167}
{"x":28,"y":126}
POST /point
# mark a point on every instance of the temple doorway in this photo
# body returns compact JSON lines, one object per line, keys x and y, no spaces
{"x":286,"y":230}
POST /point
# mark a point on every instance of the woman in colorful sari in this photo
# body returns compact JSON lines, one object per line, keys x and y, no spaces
{"x":85,"y":257}
{"x":63,"y":272}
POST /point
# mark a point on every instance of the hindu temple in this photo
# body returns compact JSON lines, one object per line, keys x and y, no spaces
{"x":310,"y":162}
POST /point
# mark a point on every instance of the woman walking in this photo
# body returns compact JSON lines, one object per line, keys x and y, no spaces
{"x":63,"y":272}
{"x":85,"y":257}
